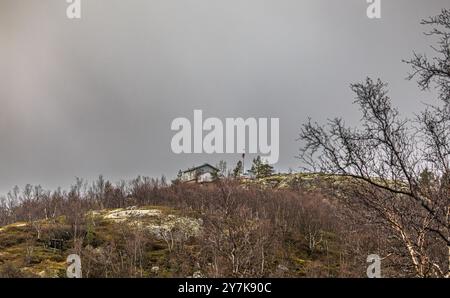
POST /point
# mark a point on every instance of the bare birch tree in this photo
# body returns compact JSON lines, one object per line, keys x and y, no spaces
{"x":396,"y":168}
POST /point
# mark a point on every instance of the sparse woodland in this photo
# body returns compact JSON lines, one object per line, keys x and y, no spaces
{"x":248,"y":230}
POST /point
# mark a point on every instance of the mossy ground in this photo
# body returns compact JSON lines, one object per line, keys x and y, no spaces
{"x":20,"y":247}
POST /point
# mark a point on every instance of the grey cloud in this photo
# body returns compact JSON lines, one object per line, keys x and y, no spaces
{"x":97,"y":96}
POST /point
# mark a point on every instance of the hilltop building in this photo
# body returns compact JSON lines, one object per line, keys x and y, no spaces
{"x":202,"y":174}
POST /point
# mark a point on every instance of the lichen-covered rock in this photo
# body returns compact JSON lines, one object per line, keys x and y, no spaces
{"x":159,"y":224}
{"x":178,"y":228}
{"x":123,"y":215}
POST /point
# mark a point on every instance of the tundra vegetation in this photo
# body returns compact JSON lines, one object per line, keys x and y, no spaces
{"x":286,"y":225}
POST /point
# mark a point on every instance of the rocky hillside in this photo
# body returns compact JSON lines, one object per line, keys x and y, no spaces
{"x":39,"y":249}
{"x":280,"y":226}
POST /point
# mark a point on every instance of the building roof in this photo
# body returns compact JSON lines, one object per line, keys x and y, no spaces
{"x":202,"y":166}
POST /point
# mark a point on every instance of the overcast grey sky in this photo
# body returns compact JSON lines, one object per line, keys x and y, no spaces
{"x":97,"y":95}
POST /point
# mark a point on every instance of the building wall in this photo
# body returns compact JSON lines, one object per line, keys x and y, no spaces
{"x":204,"y":174}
